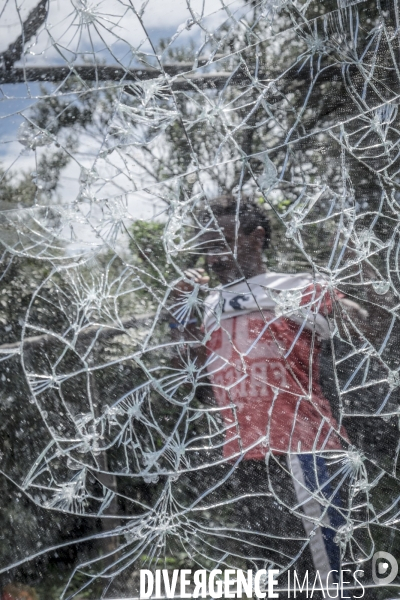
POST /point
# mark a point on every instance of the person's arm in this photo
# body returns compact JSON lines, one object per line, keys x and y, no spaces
{"x":332,"y":304}
{"x":374,"y":317}
{"x":188,"y":333}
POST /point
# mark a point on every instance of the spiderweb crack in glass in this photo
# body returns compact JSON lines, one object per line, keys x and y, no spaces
{"x":199,"y":311}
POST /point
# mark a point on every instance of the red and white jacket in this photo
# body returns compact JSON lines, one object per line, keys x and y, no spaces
{"x":263,"y":341}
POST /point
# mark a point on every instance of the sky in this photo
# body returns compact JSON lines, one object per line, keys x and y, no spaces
{"x":108,"y":31}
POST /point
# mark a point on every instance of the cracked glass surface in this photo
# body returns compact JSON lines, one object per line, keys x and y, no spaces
{"x":199,"y":330}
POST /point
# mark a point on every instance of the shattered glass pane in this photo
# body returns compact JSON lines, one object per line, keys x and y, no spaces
{"x":200,"y":291}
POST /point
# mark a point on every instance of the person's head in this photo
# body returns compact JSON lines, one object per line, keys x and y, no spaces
{"x":246,"y":233}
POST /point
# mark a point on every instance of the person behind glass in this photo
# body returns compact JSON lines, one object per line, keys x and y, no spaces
{"x":264,"y":338}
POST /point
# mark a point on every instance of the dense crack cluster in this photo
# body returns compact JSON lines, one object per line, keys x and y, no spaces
{"x":121,"y":140}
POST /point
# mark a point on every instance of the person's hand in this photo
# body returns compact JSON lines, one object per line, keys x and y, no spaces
{"x":192,"y":277}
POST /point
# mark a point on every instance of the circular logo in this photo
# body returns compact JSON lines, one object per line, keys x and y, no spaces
{"x":384,"y":571}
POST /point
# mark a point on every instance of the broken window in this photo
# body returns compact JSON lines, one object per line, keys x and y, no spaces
{"x":199,"y":292}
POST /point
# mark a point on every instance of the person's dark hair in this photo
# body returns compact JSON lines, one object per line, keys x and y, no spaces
{"x":250,"y":215}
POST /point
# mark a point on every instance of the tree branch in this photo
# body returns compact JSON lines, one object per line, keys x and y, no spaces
{"x":185,"y":78}
{"x":30,"y":26}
